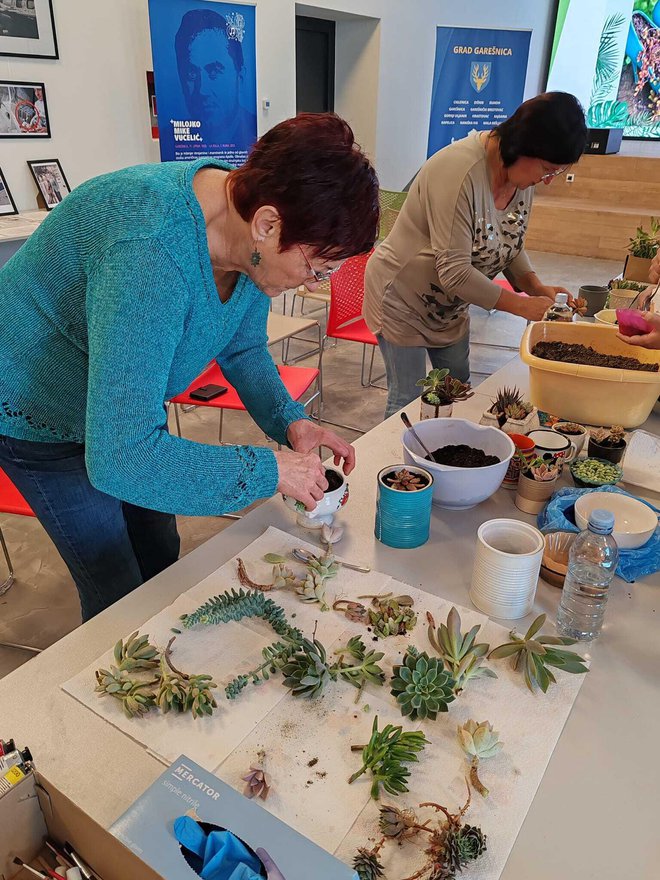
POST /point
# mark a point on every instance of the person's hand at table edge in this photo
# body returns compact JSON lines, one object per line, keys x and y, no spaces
{"x":305,"y":435}
{"x":272,"y":870}
{"x":646,"y":340}
{"x":301,"y":476}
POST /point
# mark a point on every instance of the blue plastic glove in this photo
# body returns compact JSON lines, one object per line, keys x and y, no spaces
{"x":223,"y":856}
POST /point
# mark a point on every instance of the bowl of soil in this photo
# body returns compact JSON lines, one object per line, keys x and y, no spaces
{"x":589,"y":375}
{"x":469,"y":461}
{"x":333,"y":499}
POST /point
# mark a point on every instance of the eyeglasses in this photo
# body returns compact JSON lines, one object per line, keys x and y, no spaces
{"x":317,"y":276}
{"x":552,"y":174}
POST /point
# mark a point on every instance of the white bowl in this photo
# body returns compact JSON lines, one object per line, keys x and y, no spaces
{"x":606,"y":316}
{"x":455,"y":487}
{"x":634,"y":521}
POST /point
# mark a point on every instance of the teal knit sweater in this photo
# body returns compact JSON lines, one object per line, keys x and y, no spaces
{"x":109,"y":310}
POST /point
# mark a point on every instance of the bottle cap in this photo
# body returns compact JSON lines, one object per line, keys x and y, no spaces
{"x":601,"y":521}
{"x":561,"y":299}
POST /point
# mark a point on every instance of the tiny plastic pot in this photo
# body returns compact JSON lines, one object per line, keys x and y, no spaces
{"x":606,"y":453}
{"x":403,"y":519}
{"x":431,"y":411}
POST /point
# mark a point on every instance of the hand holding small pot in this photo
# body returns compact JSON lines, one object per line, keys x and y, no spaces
{"x":301,"y":476}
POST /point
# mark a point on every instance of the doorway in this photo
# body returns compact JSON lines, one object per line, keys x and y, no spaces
{"x":315,"y":65}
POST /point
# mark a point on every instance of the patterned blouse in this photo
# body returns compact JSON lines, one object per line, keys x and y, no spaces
{"x":447,"y":244}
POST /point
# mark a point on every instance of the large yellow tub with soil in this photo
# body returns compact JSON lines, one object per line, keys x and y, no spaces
{"x":586,"y":394}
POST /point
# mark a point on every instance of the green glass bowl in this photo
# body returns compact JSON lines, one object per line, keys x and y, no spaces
{"x":594,"y":484}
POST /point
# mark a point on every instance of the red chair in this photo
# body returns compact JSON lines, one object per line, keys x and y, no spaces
{"x":345,"y":319}
{"x":297,"y":381}
{"x":11,"y":501}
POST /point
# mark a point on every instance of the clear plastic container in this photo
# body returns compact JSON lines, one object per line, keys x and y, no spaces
{"x":592,"y":565}
{"x":560,"y":310}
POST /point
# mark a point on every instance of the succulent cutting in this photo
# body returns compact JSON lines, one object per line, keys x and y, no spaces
{"x":533,"y":656}
{"x":462,"y":654}
{"x":385,"y":757}
{"x":390,"y":615}
{"x":367,"y":864}
{"x":422,"y":686}
{"x":478,"y":741}
{"x":258,"y":782}
{"x":405,"y":481}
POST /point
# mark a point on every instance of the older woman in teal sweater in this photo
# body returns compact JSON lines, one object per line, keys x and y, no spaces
{"x":122,"y":297}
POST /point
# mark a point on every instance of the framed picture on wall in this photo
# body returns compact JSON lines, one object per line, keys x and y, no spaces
{"x":23,"y":110}
{"x":27,"y":29}
{"x":7,"y":204}
{"x":50,"y":179}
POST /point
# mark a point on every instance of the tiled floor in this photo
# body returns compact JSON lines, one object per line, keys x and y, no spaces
{"x":42,"y":606}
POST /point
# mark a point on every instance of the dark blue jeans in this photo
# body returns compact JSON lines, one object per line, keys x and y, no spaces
{"x":109,"y":546}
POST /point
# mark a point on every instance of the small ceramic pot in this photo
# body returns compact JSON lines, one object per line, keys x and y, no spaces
{"x":552,"y":447}
{"x":430,"y":411}
{"x":403,"y":519}
{"x":608,"y":453}
{"x":512,"y":426}
{"x":324,"y":512}
{"x":577,"y":440}
{"x":532,"y":496}
{"x":526,"y":449}
{"x":596,"y":297}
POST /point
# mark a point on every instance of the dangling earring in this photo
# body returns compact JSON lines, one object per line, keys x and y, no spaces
{"x":255,"y":258}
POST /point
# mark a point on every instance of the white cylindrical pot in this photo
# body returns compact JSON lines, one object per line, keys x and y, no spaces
{"x":506,"y":568}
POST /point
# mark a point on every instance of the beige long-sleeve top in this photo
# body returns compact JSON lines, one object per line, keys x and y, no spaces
{"x":448,"y":241}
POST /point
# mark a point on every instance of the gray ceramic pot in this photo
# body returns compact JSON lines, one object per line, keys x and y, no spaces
{"x":595,"y":296}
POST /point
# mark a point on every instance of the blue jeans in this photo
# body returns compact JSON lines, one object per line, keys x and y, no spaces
{"x":406,"y":364}
{"x":109,"y":546}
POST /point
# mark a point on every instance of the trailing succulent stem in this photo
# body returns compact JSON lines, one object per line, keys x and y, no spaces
{"x":236,"y":605}
{"x":532,"y":656}
{"x":385,"y":755}
{"x":462,"y":654}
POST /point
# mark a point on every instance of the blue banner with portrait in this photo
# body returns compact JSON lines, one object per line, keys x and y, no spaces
{"x":204,"y":56}
{"x":479,"y":81}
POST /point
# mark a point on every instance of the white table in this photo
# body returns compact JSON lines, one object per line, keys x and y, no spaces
{"x":15,"y":229}
{"x":594,"y":815}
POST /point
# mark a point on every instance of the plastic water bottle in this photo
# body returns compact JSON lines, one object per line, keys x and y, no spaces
{"x":592,"y":565}
{"x":559,"y":310}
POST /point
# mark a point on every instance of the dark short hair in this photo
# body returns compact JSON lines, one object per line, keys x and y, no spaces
{"x":196,"y":21}
{"x":550,"y":126}
{"x":323,"y":186}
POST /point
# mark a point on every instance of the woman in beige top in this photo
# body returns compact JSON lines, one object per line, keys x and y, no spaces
{"x":464,"y":222}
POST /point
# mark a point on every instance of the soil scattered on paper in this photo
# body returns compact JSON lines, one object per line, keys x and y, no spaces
{"x":462,"y":456}
{"x":313,"y":762}
{"x":572,"y":353}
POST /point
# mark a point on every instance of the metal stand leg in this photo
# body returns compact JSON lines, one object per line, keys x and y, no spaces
{"x":222,"y":418}
{"x":28,"y":648}
{"x":6,"y":585}
{"x":176,"y":418}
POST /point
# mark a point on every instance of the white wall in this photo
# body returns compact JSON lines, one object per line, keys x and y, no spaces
{"x":357,"y":76}
{"x":97,"y":92}
{"x":97,"y":98}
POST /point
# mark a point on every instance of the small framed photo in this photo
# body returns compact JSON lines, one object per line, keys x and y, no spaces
{"x":50,"y":179}
{"x":23,"y":109}
{"x":27,"y":29}
{"x":7,"y":204}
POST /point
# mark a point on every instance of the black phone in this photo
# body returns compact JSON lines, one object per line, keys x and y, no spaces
{"x":208,"y":392}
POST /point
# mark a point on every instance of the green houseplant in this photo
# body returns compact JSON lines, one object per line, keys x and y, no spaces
{"x":641,"y":250}
{"x":440,"y":393}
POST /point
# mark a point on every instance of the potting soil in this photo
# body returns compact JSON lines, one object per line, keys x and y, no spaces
{"x":573,"y":353}
{"x":462,"y":456}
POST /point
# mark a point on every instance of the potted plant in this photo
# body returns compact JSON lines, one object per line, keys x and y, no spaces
{"x":511,"y":413}
{"x":577,"y":434}
{"x":607,"y":444}
{"x":536,"y":484}
{"x":440,"y":392}
{"x":403,"y":506}
{"x":623,"y":293}
{"x":641,"y":250}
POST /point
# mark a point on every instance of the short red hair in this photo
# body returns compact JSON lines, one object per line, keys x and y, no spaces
{"x":323,"y":186}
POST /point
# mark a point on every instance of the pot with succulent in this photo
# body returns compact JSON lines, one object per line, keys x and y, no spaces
{"x":440,"y":393}
{"x":608,"y":444}
{"x":403,"y":506}
{"x":537,"y":482}
{"x":641,"y":251}
{"x":334,"y":498}
{"x":511,"y":413}
{"x":623,"y":293}
{"x":577,"y":434}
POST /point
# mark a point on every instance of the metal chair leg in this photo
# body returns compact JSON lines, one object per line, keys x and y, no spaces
{"x":176,"y":418}
{"x":17,"y":647}
{"x":6,"y":584}
{"x":222,"y":418}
